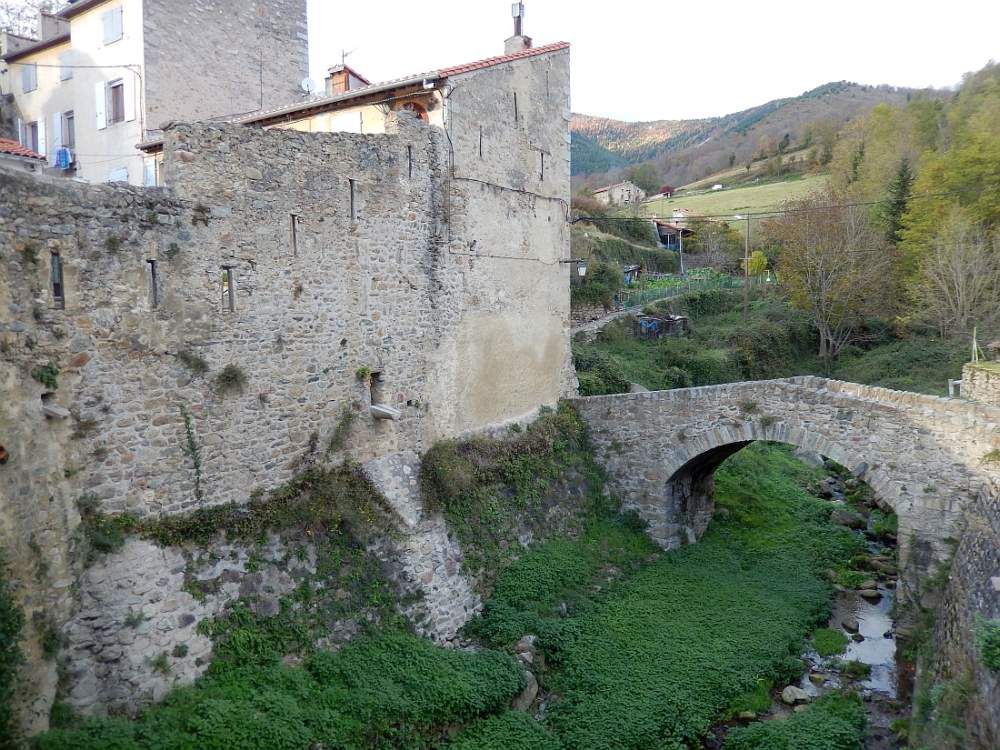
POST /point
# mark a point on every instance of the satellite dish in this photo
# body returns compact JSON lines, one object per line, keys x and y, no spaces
{"x":308,"y":85}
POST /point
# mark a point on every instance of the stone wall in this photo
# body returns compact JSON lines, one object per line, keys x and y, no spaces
{"x":257,"y":53}
{"x":370,"y":280}
{"x":581,"y":315}
{"x":922,"y":455}
{"x":973,"y":592}
{"x":981,"y":382}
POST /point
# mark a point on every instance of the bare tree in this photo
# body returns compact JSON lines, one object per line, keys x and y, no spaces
{"x":958,"y":286}
{"x":21,"y":16}
{"x":834,"y":265}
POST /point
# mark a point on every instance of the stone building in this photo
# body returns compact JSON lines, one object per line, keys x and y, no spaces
{"x":106,"y":74}
{"x":620,"y":194}
{"x":409,"y":282}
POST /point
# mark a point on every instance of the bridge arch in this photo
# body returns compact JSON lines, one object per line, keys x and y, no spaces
{"x":921,"y":455}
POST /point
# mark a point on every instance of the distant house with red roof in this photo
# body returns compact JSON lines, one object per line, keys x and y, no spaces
{"x":13,"y":154}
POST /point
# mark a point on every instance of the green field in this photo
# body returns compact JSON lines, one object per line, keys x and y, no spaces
{"x":738,"y":200}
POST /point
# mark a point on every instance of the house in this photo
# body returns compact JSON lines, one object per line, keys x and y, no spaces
{"x":106,"y":74}
{"x":439,"y":98}
{"x":13,"y":154}
{"x":620,"y":194}
{"x":631,"y":274}
{"x":671,"y":234}
{"x":717,"y":186}
{"x":667,"y":191}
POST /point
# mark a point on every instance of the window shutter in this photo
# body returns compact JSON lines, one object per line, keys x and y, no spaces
{"x":128,"y":94}
{"x":20,"y":131}
{"x":56,"y":137}
{"x":41,"y":135}
{"x":100,"y":104}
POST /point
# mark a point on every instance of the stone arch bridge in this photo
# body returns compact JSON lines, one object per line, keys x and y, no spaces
{"x":922,"y":455}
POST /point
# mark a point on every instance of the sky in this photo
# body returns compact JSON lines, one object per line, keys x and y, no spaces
{"x":660,"y":59}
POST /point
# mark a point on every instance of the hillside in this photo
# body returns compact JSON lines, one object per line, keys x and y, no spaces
{"x":684,"y":151}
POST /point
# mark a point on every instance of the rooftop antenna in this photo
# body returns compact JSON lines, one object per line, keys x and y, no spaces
{"x":517,"y":11}
{"x":344,"y":54}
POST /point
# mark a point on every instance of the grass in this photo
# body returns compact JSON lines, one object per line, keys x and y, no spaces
{"x":774,"y":341}
{"x":655,"y":659}
{"x":738,"y":200}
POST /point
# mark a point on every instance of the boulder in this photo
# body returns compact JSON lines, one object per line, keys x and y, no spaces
{"x":870,"y":585}
{"x":747,"y":716}
{"x":848,"y":518}
{"x":811,"y":458}
{"x":870,"y":594}
{"x":850,"y":624}
{"x":523,"y":701}
{"x":793,"y":695}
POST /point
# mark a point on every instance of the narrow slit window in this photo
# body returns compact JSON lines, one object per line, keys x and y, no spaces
{"x":375,"y":386}
{"x":480,"y":141}
{"x":154,"y":285}
{"x":542,"y":155}
{"x":354,"y":200}
{"x":515,"y":107}
{"x":228,"y":278}
{"x":409,"y":162}
{"x":58,"y":288}
{"x":293,"y":227}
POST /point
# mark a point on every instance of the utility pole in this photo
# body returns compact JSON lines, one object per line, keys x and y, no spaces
{"x":680,"y":248}
{"x":746,"y":272}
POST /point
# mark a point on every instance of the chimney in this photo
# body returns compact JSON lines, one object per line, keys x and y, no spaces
{"x":519,"y":41}
{"x":50,"y":26}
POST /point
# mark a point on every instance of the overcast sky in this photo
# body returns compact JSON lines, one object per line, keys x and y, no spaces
{"x":662,"y":59}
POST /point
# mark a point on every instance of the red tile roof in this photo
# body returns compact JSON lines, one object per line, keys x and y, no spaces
{"x":491,"y":61}
{"x":14,"y":148}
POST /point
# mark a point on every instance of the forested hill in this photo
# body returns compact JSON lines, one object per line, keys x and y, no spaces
{"x":686,"y":150}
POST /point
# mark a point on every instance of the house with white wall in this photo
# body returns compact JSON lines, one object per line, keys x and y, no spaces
{"x":106,"y":74}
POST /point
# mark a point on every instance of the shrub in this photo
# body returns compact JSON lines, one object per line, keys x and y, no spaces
{"x":598,"y":372}
{"x":511,"y":730}
{"x":836,"y":721}
{"x":988,"y":641}
{"x":196,"y":364}
{"x":11,"y":626}
{"x":47,"y":375}
{"x":829,"y":642}
{"x":231,"y":379}
{"x":598,"y":287}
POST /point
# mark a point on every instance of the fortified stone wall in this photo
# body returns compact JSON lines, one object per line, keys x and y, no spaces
{"x":215,"y":272}
{"x":981,"y":382}
{"x":257,"y":53}
{"x":973,"y":594}
{"x":922,"y":455}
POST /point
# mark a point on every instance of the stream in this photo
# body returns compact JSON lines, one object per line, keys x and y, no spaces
{"x":864,"y":615}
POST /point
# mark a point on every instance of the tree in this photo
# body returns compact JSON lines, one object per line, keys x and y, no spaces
{"x":834,"y":265}
{"x":959,"y":280}
{"x":645,"y":177}
{"x":757,"y":264}
{"x":718,"y":243}
{"x":899,"y":195}
{"x":20,"y":17}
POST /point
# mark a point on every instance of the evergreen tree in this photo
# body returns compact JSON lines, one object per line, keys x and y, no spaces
{"x":895,"y":206}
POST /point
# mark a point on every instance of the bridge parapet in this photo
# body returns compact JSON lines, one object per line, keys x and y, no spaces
{"x":924,"y":456}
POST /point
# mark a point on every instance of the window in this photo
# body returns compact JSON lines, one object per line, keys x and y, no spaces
{"x":116,"y":101}
{"x":68,"y":130}
{"x":294,"y":228}
{"x":542,"y":154}
{"x":65,"y":71}
{"x":515,"y":107}
{"x":112,"y":25}
{"x":228,"y":279}
{"x":29,"y":78}
{"x":56,"y":276}
{"x":354,"y":201}
{"x":154,"y":290}
{"x":31,"y":136}
{"x":409,"y":162}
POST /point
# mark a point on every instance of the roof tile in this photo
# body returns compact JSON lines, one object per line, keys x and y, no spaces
{"x":14,"y":148}
{"x":491,"y":61}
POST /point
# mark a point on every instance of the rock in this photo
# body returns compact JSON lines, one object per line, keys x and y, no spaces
{"x":883,"y":566}
{"x":792,"y":695}
{"x":800,"y":709}
{"x":848,"y":518}
{"x":850,"y":624}
{"x":887,"y":634}
{"x":870,"y":594}
{"x":860,"y":470}
{"x":857,"y":637}
{"x":810,"y":458}
{"x":527,"y":696}
{"x":869,"y":585}
{"x":747,"y":716}
{"x":816,"y":678}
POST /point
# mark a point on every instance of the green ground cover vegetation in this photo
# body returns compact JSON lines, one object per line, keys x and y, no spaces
{"x":835,"y":721}
{"x":773,"y":341}
{"x":653,"y":659}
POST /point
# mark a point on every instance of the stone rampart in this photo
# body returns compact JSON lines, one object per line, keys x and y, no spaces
{"x":981,"y":382}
